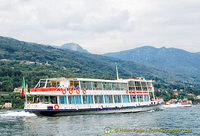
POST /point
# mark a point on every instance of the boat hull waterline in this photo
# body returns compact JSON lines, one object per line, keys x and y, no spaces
{"x":68,"y":112}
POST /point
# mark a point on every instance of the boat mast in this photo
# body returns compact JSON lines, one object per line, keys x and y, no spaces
{"x":25,"y":89}
{"x":117,"y":71}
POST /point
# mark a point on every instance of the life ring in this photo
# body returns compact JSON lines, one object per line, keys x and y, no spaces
{"x":130,"y":91}
{"x":78,"y":91}
{"x":71,"y":91}
{"x":64,"y":91}
{"x":127,"y":91}
{"x":56,"y":107}
{"x":84,"y":91}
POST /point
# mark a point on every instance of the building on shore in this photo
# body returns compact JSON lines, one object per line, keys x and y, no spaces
{"x":17,"y":90}
{"x":8,"y":105}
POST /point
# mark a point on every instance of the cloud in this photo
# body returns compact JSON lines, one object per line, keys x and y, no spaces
{"x":103,"y":26}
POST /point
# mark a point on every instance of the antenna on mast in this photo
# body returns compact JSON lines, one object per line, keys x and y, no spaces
{"x":117,"y":71}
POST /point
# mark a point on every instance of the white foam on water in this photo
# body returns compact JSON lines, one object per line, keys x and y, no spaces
{"x":151,"y":111}
{"x":17,"y":114}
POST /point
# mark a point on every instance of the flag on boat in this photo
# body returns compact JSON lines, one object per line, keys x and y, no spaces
{"x":22,"y":87}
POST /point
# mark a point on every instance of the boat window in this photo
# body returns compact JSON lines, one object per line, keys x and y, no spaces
{"x":77,"y":99}
{"x":125,"y":98}
{"x":131,"y":88}
{"x":120,"y":86}
{"x":71,"y":84}
{"x":48,"y":84}
{"x":71,"y":99}
{"x":53,"y":99}
{"x":133,"y":98}
{"x":107,"y":85}
{"x":76,"y":84}
{"x":98,"y":99}
{"x":53,"y":85}
{"x":117,"y":98}
{"x":46,"y":99}
{"x":108,"y":99}
{"x":74,"y":99}
{"x":89,"y":85}
{"x":137,"y":83}
{"x":115,"y":86}
{"x":150,"y":88}
{"x":124,"y":86}
{"x":35,"y":99}
{"x":138,"y":88}
{"x":31,"y":99}
{"x":84,"y":99}
{"x":87,"y":99}
{"x":42,"y":84}
{"x":62,"y":100}
{"x":97,"y":85}
{"x":149,"y":84}
{"x":140,"y":98}
{"x":94,"y":85}
{"x":104,"y":85}
{"x":86,"y":84}
{"x":146,"y":98}
{"x":144,"y":86}
{"x":83,"y":84}
{"x":131,"y":84}
{"x":42,"y":99}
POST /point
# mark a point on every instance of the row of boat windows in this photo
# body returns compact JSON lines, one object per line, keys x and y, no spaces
{"x":103,"y":85}
{"x":114,"y":86}
{"x":99,"y":99}
{"x":91,"y":85}
{"x":88,"y":99}
{"x":138,"y":84}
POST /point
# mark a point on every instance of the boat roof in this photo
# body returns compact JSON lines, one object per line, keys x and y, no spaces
{"x":97,"y":80}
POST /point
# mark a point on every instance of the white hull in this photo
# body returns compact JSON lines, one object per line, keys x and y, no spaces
{"x":176,"y":105}
{"x":129,"y":110}
{"x":96,"y":111}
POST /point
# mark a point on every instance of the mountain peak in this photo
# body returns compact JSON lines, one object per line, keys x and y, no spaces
{"x":170,"y":59}
{"x":74,"y":47}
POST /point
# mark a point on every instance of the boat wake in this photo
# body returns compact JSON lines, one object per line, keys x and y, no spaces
{"x":151,"y":111}
{"x":16,"y":114}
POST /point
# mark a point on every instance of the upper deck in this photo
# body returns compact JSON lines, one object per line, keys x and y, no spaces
{"x":55,"y":86}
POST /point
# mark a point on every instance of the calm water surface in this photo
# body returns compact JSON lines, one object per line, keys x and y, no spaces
{"x":15,"y":122}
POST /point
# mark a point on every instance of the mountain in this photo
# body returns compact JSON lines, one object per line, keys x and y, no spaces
{"x":33,"y":61}
{"x":73,"y":47}
{"x":169,"y":59}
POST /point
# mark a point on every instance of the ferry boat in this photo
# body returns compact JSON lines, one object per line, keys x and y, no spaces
{"x":69,"y":96}
{"x":175,"y":103}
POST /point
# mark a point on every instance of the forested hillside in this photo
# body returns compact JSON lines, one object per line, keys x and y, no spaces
{"x":35,"y":61}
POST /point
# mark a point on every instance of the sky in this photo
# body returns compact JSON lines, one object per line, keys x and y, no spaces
{"x":103,"y":26}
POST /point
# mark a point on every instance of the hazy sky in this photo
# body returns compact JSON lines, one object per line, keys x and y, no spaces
{"x":102,"y":26}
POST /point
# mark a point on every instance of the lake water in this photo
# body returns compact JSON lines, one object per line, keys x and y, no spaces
{"x":13,"y":122}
